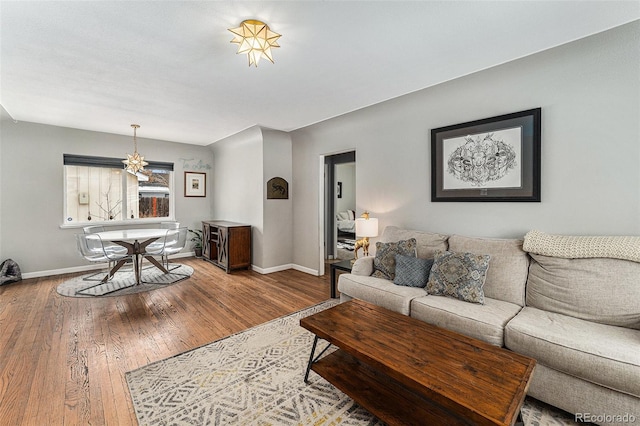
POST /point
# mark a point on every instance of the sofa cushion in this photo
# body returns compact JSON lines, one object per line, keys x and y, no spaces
{"x":484,"y":322}
{"x":459,"y":275}
{"x":426,"y":242}
{"x":363,"y":266}
{"x":601,"y":290}
{"x":601,"y":354}
{"x":507,"y":275}
{"x":379,"y":291}
{"x":384,"y":264}
{"x":412,"y":271}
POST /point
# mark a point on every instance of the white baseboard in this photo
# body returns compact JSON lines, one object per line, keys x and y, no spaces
{"x":93,"y":267}
{"x":284,"y":268}
{"x":83,"y":268}
{"x":265,"y":271}
{"x":306,"y":270}
{"x":61,"y":271}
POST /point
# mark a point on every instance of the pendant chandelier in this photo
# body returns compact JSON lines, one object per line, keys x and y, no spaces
{"x":134,"y":162}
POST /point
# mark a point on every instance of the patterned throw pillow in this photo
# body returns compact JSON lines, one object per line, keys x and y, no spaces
{"x":459,"y":275}
{"x":412,"y":271}
{"x":384,"y":264}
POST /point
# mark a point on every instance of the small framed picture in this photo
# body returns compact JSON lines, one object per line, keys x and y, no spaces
{"x":195,"y":184}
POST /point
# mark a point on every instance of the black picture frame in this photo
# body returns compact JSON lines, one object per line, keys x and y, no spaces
{"x":195,"y":184}
{"x":493,"y":159}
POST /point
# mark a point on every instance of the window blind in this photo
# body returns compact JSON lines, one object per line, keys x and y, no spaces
{"x":112,"y":163}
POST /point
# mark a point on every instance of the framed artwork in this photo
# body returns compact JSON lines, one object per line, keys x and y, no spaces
{"x":277,"y":189}
{"x":195,"y":184}
{"x":494,"y":159}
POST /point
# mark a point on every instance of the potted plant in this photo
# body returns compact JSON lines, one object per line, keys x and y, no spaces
{"x":196,"y":239}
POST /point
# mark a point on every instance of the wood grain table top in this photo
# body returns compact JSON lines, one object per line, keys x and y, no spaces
{"x":479,"y":382}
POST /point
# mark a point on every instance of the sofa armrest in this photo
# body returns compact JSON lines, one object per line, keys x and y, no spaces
{"x":363,"y":266}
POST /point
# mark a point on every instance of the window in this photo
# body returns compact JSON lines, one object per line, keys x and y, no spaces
{"x":99,"y":189}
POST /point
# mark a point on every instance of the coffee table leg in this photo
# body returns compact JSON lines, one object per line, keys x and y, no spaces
{"x":312,"y":359}
{"x":313,"y":349}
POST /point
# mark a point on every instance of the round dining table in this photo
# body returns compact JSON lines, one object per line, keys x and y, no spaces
{"x":135,"y":241}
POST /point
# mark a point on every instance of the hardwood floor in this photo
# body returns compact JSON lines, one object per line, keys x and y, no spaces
{"x":63,"y":359}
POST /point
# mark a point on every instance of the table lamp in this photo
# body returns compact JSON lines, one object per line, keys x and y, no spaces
{"x":366,"y":227}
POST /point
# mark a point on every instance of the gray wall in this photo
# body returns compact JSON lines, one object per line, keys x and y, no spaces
{"x":237,"y":184}
{"x":278,"y":213}
{"x":589,"y":91}
{"x":243,"y":164}
{"x":346,"y":173}
{"x":31,"y":188}
{"x":4,"y":121}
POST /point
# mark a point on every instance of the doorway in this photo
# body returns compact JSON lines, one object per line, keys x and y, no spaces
{"x":340,"y":206}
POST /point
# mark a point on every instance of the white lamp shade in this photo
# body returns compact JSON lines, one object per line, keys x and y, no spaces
{"x":367,"y":227}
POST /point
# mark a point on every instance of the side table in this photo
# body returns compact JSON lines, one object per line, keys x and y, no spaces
{"x":344,"y":265}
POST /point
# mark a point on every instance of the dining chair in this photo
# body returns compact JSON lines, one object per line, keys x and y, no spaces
{"x":112,"y":248}
{"x":93,"y":229}
{"x":157,"y":245}
{"x":169,"y":225}
{"x":172,"y":242}
{"x":93,"y":249}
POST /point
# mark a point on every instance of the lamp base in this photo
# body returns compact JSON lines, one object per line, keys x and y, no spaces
{"x":364,"y":243}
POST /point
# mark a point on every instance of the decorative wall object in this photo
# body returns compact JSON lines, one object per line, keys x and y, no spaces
{"x":277,"y":188}
{"x":494,"y":159}
{"x":195,"y":184}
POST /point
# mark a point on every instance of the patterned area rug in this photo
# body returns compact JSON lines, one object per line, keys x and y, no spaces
{"x":123,"y":282}
{"x":256,"y":378}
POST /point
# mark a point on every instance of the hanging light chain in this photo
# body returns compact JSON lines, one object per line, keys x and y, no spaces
{"x":135,"y":140}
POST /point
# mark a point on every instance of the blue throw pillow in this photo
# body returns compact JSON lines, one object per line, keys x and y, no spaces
{"x":412,"y":271}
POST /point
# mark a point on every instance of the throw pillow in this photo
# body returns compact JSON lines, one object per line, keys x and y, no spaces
{"x":459,"y":275}
{"x":384,"y":264}
{"x":412,"y":271}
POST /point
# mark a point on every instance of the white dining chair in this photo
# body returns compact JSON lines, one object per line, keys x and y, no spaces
{"x":93,"y":229}
{"x":113,"y":248}
{"x":157,"y":245}
{"x":171,"y":243}
{"x":169,"y":225}
{"x":93,"y":249}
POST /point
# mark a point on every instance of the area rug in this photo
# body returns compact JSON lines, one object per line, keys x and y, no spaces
{"x":124,"y":282}
{"x":256,"y":378}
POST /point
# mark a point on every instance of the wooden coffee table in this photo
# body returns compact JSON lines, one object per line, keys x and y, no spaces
{"x":406,"y":371}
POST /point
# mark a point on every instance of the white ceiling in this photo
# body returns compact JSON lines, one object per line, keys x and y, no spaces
{"x":170,"y":67}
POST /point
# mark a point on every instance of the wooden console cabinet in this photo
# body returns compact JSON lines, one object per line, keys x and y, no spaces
{"x":226,"y":244}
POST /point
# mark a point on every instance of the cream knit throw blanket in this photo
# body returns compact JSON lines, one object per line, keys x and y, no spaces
{"x":573,"y":247}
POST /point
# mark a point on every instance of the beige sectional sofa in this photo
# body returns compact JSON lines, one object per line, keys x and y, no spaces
{"x":572,"y":303}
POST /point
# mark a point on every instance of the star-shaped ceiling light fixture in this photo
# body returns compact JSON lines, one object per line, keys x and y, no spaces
{"x":256,"y":40}
{"x":134,"y":162}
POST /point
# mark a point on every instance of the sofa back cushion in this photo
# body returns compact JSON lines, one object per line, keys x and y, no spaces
{"x":507,"y":275}
{"x":601,"y":290}
{"x":426,"y":242}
